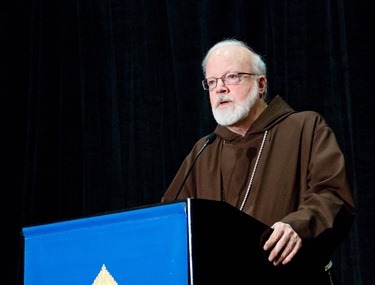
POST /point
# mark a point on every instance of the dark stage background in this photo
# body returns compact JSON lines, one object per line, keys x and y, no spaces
{"x":103,"y":101}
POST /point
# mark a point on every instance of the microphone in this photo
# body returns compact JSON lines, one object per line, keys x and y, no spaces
{"x":209,"y":140}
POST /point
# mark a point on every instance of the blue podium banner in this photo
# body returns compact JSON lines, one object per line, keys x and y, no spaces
{"x":141,"y":246}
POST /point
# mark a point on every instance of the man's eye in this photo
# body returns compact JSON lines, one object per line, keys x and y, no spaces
{"x":232,"y":76}
{"x":211,"y":82}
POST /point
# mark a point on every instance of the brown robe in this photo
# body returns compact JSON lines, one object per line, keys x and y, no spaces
{"x":300,"y":178}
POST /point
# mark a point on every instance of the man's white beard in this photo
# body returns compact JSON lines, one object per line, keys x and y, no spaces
{"x":232,"y":114}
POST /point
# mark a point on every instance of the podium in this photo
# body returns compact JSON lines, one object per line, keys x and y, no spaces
{"x":191,"y":241}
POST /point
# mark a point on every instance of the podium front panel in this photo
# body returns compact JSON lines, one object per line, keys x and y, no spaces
{"x":142,"y":246}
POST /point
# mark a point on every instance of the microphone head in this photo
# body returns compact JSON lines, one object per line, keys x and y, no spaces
{"x":210,"y":138}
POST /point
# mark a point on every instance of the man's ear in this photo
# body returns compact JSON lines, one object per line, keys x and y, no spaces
{"x":262,"y":84}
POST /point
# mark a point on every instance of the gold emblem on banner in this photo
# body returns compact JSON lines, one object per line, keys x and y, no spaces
{"x":104,"y":278}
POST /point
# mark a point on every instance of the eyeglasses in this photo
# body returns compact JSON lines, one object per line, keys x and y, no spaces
{"x":231,"y":78}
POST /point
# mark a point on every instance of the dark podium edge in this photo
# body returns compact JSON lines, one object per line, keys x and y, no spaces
{"x":225,"y":244}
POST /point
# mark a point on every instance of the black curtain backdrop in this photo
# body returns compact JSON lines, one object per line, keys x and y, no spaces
{"x":103,"y":101}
